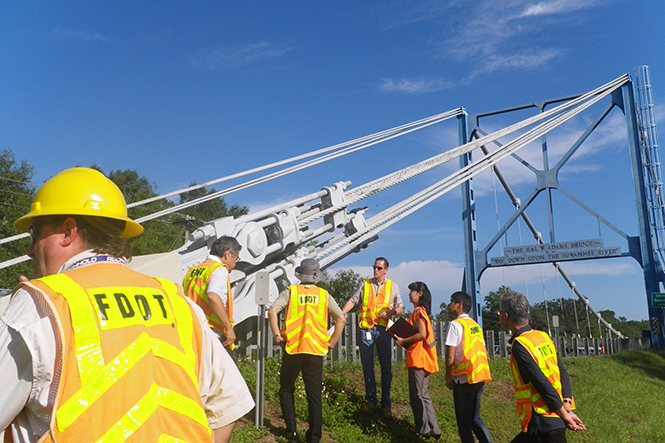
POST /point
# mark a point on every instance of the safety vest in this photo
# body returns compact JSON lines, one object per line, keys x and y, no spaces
{"x":195,"y":285}
{"x":542,"y":350}
{"x":130,"y":348}
{"x":474,"y":360}
{"x":422,"y":354}
{"x":306,"y":321}
{"x":374,"y":304}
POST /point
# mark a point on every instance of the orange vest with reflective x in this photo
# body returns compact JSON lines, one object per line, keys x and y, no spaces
{"x":195,"y":285}
{"x":130,"y":353}
{"x":542,"y":350}
{"x":374,"y":304}
{"x":422,"y":354}
{"x":474,"y":361}
{"x":306,"y":321}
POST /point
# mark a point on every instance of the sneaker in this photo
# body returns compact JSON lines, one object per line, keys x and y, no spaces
{"x":387,"y":413}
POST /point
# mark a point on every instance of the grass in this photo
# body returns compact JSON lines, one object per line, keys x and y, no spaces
{"x":620,"y":398}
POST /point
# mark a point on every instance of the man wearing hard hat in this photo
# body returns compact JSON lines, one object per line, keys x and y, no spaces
{"x":93,"y":351}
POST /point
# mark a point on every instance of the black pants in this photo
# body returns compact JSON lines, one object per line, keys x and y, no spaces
{"x":555,"y":436}
{"x":312,"y":375}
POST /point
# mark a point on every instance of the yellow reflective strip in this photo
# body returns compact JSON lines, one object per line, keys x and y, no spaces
{"x":184,"y":321}
{"x":145,"y":407}
{"x":87,"y":343}
{"x":170,"y":439}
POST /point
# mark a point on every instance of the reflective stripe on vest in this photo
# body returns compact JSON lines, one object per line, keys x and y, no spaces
{"x":306,"y":321}
{"x":422,"y":354}
{"x":374,"y":304}
{"x":474,"y":362}
{"x":543,"y":352}
{"x":132,"y":362}
{"x":195,"y":285}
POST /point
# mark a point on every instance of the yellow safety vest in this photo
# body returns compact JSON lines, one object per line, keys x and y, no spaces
{"x":195,"y":285}
{"x":474,"y":361}
{"x":374,"y":304}
{"x":306,"y":321}
{"x":542,"y":350}
{"x":130,"y":353}
{"x":422,"y":354}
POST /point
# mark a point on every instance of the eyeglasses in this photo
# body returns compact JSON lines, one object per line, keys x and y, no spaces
{"x":33,"y":229}
{"x":378,"y":268}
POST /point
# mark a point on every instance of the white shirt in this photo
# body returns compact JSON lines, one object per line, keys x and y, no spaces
{"x":27,"y":364}
{"x":218,"y":281}
{"x":454,"y":338}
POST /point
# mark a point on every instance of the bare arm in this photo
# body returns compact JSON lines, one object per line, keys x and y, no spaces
{"x":347,"y":307}
{"x":274,"y":326}
{"x":217,"y":306}
{"x":450,"y":359}
{"x":223,"y":434}
{"x":572,"y":421}
{"x":339,"y":328}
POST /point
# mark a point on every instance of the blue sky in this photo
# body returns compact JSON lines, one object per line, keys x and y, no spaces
{"x":192,"y":91}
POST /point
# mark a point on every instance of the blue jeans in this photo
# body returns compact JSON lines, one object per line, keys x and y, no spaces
{"x":467,"y":411}
{"x":384,"y":348}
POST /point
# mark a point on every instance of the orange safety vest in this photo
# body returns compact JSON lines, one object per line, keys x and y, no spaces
{"x":130,"y":353}
{"x":306,"y":321}
{"x":422,"y":354}
{"x":542,"y":350}
{"x":474,"y":361}
{"x":374,"y":304}
{"x":195,"y":285}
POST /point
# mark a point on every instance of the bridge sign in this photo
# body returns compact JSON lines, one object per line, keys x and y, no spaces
{"x":658,"y":300}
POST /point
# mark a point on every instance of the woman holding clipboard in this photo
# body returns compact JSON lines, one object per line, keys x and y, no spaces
{"x":421,"y":360}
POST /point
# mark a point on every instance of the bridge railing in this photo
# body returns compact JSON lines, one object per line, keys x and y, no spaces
{"x":496,"y":342}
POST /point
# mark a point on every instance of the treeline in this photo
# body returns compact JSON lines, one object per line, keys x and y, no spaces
{"x":161,"y":235}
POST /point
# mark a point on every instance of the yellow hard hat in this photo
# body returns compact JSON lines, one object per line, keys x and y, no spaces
{"x":80,"y":191}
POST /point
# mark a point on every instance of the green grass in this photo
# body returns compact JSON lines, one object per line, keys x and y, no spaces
{"x":620,"y":398}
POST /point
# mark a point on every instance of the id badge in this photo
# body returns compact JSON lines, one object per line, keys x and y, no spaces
{"x":368,"y":335}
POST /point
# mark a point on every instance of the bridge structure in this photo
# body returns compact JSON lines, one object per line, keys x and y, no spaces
{"x":331,"y":224}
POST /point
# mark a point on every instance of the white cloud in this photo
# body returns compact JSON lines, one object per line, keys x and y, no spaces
{"x":238,"y":56}
{"x":414,"y":86}
{"x":557,"y":7}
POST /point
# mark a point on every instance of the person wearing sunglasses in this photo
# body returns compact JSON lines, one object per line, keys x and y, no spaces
{"x":93,"y":350}
{"x":379,"y":300}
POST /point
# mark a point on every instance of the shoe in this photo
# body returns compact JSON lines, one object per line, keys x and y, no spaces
{"x":387,"y":413}
{"x":290,"y":436}
{"x":435,"y":436}
{"x":369,"y":407}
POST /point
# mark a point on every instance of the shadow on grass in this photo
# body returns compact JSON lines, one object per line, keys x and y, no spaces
{"x":651,"y":363}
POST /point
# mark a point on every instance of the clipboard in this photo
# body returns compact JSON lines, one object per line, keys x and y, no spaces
{"x":402,"y":328}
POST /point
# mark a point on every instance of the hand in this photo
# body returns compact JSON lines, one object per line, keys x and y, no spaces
{"x":449,"y":383}
{"x":331,"y":345}
{"x":23,"y":279}
{"x":230,"y":337}
{"x":399,"y":341}
{"x":280,"y":340}
{"x":573,"y":422}
{"x":385,"y":314}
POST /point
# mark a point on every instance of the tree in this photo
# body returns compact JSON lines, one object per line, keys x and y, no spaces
{"x":490,"y":316}
{"x":15,"y":199}
{"x":210,"y":210}
{"x":342,"y":285}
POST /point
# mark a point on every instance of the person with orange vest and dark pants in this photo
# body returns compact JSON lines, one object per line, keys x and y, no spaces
{"x":467,"y":369}
{"x":94,"y":351}
{"x":541,"y":383}
{"x":209,"y":285}
{"x":379,"y":300}
{"x":421,"y":361}
{"x":305,"y":340}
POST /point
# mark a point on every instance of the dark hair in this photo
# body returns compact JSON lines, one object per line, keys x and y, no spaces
{"x":101,"y":234}
{"x":464,"y":298}
{"x":223,"y":244}
{"x":425,"y":299}
{"x":385,"y":262}
{"x":536,"y":323}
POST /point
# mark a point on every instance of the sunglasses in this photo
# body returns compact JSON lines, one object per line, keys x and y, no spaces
{"x":378,"y":268}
